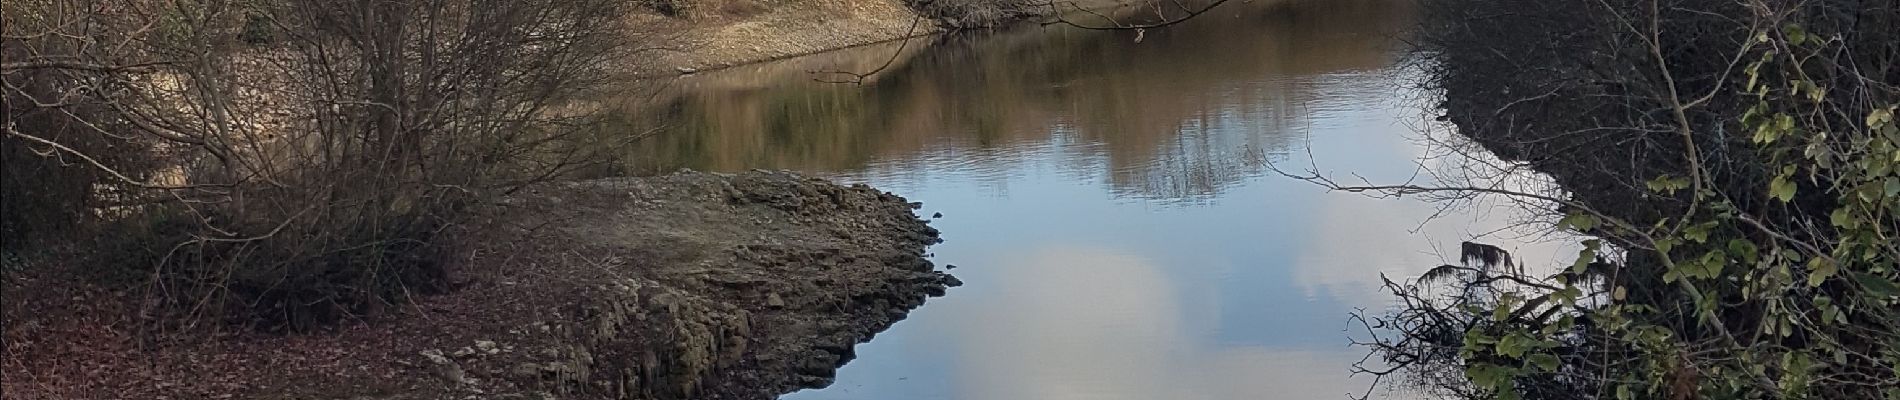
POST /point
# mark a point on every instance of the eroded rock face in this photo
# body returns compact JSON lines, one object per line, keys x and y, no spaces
{"x":702,"y":285}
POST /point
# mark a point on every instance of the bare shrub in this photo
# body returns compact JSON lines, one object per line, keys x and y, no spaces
{"x":307,"y":153}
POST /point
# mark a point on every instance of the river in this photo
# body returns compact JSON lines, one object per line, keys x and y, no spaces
{"x":1110,"y":197}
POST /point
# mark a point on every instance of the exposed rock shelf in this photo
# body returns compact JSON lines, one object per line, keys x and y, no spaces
{"x":689,"y":285}
{"x":699,"y":285}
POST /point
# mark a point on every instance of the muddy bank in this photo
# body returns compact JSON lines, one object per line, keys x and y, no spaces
{"x":689,"y":285}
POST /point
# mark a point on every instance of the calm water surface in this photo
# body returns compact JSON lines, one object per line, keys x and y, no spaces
{"x":1110,"y":203}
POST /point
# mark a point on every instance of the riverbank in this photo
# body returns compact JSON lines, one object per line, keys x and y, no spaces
{"x":721,"y":34}
{"x":684,"y":36}
{"x":689,"y":285}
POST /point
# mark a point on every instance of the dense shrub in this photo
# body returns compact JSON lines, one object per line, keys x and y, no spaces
{"x":1737,"y":161}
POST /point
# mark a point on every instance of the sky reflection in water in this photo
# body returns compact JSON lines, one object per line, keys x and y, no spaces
{"x":1077,"y":289}
{"x":1110,"y":203}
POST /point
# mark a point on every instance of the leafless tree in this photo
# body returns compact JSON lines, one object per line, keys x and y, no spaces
{"x":303,"y":154}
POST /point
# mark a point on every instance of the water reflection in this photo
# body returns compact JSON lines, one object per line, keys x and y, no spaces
{"x":1121,"y":235}
{"x":1159,"y":115}
{"x":1120,"y":334}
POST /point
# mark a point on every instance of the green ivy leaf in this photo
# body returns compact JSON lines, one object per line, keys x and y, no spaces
{"x":1880,"y":117}
{"x":1513,"y":345}
{"x":1503,"y":310}
{"x":1781,"y":189}
{"x":1667,"y":184}
{"x":1796,"y":35}
{"x":1490,"y":376}
{"x":1544,"y":362}
{"x":1569,"y":295}
{"x":1765,"y":134}
{"x":1771,"y":131}
{"x":1509,"y":393}
{"x":1712,"y":263}
{"x":1844,"y":218}
{"x":1664,"y":245}
{"x":1828,"y":315}
{"x":1475,"y":338}
{"x":1586,"y":256}
{"x":1876,"y":285}
{"x":1699,"y":233}
{"x":1744,"y":250}
{"x":1579,"y":221}
{"x":1815,"y":93}
{"x":1819,"y":269}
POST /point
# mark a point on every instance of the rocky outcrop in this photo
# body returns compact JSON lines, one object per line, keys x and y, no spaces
{"x":685,"y":286}
{"x":705,"y":286}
